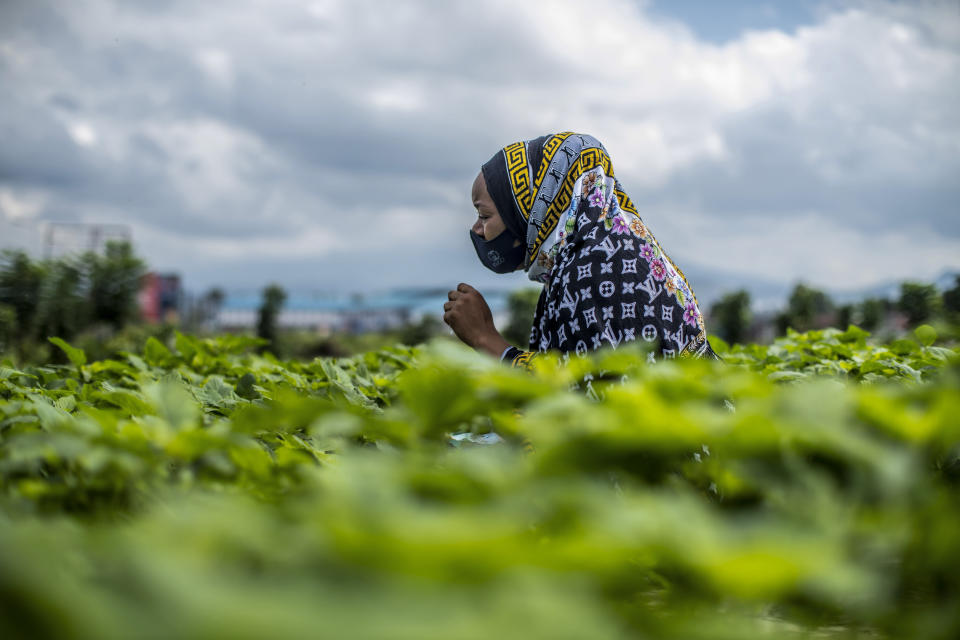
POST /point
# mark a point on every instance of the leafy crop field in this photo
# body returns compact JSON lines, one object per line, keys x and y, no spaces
{"x":806,"y":489}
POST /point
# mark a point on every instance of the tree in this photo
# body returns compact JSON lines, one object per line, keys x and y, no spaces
{"x":63,"y":296}
{"x":114,"y":281}
{"x":20,"y":283}
{"x":63,"y":309}
{"x":414,"y":333}
{"x":951,"y":298}
{"x":273,"y":298}
{"x":872,"y":311}
{"x":918,"y":301}
{"x":522,"y":306}
{"x":845,"y":316}
{"x":8,"y":326}
{"x":730,"y":316}
{"x":805,"y":309}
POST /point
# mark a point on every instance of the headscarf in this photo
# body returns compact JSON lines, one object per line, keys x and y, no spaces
{"x":606,"y":279}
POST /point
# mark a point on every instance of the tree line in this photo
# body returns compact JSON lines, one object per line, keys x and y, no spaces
{"x":67,"y":295}
{"x":808,"y":308}
{"x":78,"y":293}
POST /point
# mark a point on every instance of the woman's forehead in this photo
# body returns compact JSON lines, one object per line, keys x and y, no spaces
{"x":478,"y":191}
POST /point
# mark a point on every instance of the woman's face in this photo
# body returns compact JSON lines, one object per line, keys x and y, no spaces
{"x":489,"y":224}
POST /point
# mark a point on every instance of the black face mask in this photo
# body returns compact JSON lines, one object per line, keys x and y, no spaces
{"x":499,"y":255}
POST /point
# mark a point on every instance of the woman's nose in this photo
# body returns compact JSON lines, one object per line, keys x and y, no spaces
{"x":477,"y":228}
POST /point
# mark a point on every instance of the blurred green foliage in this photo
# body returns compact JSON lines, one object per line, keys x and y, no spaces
{"x":114,"y":282}
{"x":730,"y":316}
{"x":66,"y":296}
{"x":8,"y":326}
{"x":521,"y":307}
{"x":273,"y":298}
{"x":807,"y":308}
{"x":306,"y":344}
{"x":845,"y":354}
{"x":199,"y":489}
{"x":951,"y":298}
{"x":870,"y":313}
{"x":20,"y":282}
{"x":919,"y":302}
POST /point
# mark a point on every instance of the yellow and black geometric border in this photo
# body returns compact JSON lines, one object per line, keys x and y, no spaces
{"x":588,"y":159}
{"x":522,"y":360}
{"x":549,"y":150}
{"x":519,"y":172}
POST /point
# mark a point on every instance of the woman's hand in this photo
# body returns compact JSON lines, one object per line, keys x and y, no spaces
{"x":469,"y":316}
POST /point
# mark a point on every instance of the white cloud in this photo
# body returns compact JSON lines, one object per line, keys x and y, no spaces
{"x":209,"y":163}
{"x":217,"y":64}
{"x":83,"y":134}
{"x":401,"y":96}
{"x":815,"y":248}
{"x":18,"y":206}
{"x":278,"y":130}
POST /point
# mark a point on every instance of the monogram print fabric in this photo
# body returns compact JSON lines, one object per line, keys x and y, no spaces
{"x":611,"y":283}
{"x":607,"y":281}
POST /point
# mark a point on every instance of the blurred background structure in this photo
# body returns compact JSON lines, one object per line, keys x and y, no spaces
{"x":65,"y":238}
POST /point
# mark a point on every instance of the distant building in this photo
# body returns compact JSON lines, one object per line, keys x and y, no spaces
{"x":160,"y":297}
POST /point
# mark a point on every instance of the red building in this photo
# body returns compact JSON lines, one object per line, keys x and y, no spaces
{"x":160,"y":297}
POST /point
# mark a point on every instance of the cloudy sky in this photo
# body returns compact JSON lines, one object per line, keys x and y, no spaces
{"x":330,"y":144}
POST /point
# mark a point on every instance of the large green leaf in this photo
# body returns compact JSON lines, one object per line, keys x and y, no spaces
{"x":76,"y":356}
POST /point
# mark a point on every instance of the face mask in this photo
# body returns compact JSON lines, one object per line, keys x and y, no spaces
{"x":499,"y":255}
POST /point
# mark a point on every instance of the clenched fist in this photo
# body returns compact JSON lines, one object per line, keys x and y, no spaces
{"x":469,"y":316}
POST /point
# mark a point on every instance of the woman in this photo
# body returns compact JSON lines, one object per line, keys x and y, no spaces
{"x":553,"y":207}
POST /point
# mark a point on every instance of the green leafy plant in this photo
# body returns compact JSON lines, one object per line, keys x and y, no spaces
{"x":201,"y":489}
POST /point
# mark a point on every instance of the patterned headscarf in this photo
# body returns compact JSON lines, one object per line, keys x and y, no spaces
{"x":607,"y":280}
